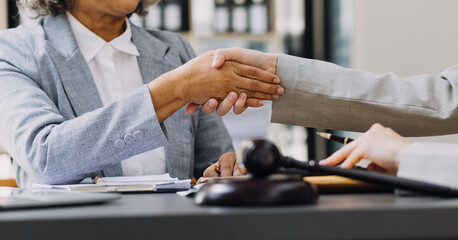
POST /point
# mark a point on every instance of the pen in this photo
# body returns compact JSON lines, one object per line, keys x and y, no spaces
{"x":334,"y":138}
{"x":98,"y":180}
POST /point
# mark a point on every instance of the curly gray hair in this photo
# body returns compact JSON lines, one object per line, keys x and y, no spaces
{"x":41,"y":8}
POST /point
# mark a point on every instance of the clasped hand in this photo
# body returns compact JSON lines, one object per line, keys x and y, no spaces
{"x":259,"y":60}
{"x":203,"y":82}
{"x":197,"y":82}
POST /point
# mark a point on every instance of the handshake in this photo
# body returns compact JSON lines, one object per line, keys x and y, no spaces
{"x":258,"y":74}
{"x":218,"y":80}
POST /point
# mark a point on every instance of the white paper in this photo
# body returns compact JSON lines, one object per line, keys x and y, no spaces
{"x":158,"y":182}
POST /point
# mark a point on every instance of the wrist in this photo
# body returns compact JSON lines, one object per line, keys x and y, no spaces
{"x":179,"y":80}
{"x":273,"y":59}
{"x":165,"y":96}
{"x":402,"y":149}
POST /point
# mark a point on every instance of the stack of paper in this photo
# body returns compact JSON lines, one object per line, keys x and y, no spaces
{"x":159,"y":183}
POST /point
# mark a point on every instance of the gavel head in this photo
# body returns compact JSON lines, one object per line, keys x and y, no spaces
{"x":260,"y":157}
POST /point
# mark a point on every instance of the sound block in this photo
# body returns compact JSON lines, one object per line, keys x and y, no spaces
{"x":256,"y":192}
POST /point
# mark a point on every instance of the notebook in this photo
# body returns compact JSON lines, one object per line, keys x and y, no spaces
{"x":147,"y":183}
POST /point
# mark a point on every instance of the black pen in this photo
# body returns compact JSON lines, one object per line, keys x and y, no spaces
{"x":334,"y":138}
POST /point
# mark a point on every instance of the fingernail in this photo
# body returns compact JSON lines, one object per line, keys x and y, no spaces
{"x":276,"y":80}
{"x":261,"y":102}
{"x":243,"y":96}
{"x":280,"y":90}
{"x":232,"y":96}
{"x":212,"y":104}
{"x":275,"y":96}
{"x":215,"y":61}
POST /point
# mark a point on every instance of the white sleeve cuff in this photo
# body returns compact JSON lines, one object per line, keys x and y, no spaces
{"x":431,"y":162}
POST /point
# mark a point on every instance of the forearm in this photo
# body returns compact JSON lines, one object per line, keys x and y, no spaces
{"x":431,"y":162}
{"x":54,"y":150}
{"x":167,"y":94}
{"x":324,"y":95}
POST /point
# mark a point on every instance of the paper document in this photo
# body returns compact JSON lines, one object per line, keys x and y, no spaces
{"x":125,"y":184}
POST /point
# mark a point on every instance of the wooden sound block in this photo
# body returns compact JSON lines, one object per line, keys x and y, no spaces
{"x":338,"y":184}
{"x":256,"y":192}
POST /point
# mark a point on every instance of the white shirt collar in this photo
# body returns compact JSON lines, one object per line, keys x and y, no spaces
{"x":90,"y":44}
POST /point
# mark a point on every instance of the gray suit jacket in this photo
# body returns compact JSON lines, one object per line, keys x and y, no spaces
{"x":323,"y":95}
{"x":53,"y":123}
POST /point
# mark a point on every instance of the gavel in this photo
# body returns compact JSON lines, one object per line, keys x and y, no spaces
{"x":262,"y":158}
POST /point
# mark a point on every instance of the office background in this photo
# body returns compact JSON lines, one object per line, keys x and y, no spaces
{"x":407,"y":37}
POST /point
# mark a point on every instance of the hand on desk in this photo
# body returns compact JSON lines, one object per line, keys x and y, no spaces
{"x":260,"y":60}
{"x":380,"y":144}
{"x":225,"y":167}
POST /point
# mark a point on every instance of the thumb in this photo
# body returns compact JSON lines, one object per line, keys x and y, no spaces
{"x":192,"y":107}
{"x":218,"y":58}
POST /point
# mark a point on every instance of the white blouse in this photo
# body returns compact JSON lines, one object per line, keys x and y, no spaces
{"x":116,"y":73}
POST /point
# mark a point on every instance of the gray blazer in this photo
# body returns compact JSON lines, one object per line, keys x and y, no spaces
{"x":54,"y":125}
{"x":324,"y":95}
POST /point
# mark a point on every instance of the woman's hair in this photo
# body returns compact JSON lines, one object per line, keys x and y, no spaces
{"x":41,"y":8}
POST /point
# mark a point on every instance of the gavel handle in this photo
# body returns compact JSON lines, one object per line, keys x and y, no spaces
{"x":374,"y":177}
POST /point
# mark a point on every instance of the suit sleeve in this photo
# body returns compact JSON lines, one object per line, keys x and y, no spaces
{"x":324,"y":95}
{"x":431,"y":162}
{"x":55,"y":150}
{"x":211,"y":136}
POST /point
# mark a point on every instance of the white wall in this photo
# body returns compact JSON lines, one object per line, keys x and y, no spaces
{"x":407,"y":37}
{"x":3,"y":14}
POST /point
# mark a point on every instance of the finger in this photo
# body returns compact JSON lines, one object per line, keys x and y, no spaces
{"x":210,"y":105}
{"x":255,"y":73}
{"x":226,"y":104}
{"x":218,"y":168}
{"x":262,"y":89}
{"x":239,"y":106}
{"x":219,"y":57}
{"x":253,"y":102}
{"x":375,"y":168}
{"x":340,"y":155}
{"x":235,"y":54}
{"x":355,"y":156}
{"x":211,"y":171}
{"x":242,"y":103}
{"x":238,"y":171}
{"x":227,"y":162}
{"x":245,"y":56}
{"x":192,"y":107}
{"x":259,"y":95}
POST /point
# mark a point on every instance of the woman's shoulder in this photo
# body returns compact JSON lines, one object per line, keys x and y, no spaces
{"x":23,"y":34}
{"x":22,"y":40}
{"x":163,"y":36}
{"x":21,"y":48}
{"x":173,"y":40}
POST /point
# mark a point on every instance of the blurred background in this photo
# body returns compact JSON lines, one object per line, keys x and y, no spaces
{"x":407,"y":37}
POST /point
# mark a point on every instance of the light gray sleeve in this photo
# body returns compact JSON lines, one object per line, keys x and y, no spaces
{"x":324,"y":95}
{"x":55,"y":150}
{"x":431,"y":162}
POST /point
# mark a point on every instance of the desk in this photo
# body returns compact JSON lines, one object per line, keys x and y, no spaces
{"x":169,"y":216}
